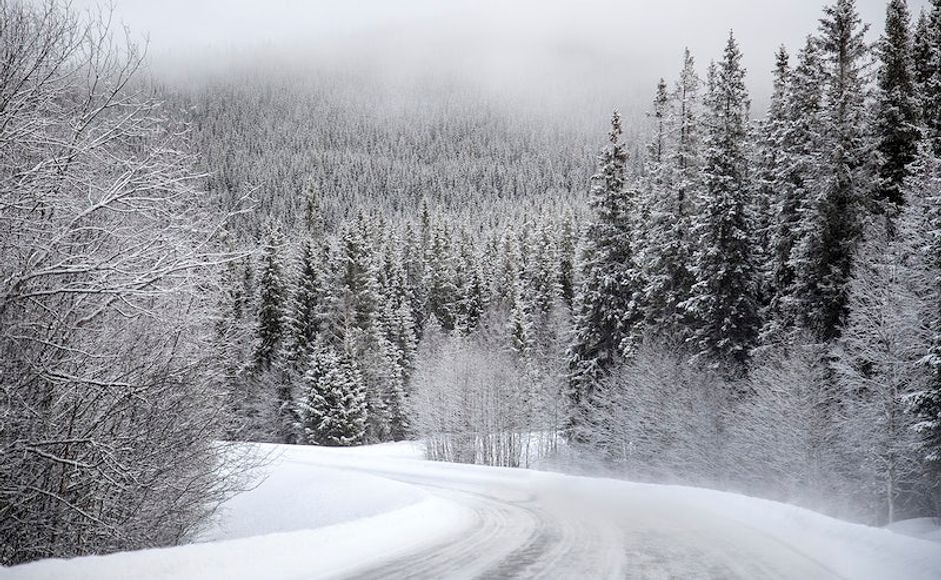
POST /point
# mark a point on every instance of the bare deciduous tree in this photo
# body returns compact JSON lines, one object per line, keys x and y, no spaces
{"x":107,"y":406}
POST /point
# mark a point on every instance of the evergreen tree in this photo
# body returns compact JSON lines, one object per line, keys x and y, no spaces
{"x":313,"y":215}
{"x":841,"y":193}
{"x":546,"y":279}
{"x":723,"y":305}
{"x":927,"y":65}
{"x":400,"y":347}
{"x":440,"y":279}
{"x":687,"y":157}
{"x":272,"y":295}
{"x":897,"y":117}
{"x":520,"y":323}
{"x":359,"y":328}
{"x":921,"y":55}
{"x":358,"y":281}
{"x":309,"y":312}
{"x":796,"y":166}
{"x":472,"y":299}
{"x":333,"y":410}
{"x":568,"y":248}
{"x":508,"y":267}
{"x":413,"y":261}
{"x":673,"y":174}
{"x":661,"y":109}
{"x":770,"y":155}
{"x":607,"y":309}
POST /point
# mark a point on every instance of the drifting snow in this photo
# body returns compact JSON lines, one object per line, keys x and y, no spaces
{"x":924,"y":528}
{"x":847,"y":550}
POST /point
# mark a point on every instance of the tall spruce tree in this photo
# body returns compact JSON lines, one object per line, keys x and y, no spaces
{"x":841,"y":192}
{"x":441,"y":278}
{"x":568,"y":248}
{"x":608,"y":309}
{"x":897,"y":117}
{"x":723,"y":305}
{"x":413,"y":261}
{"x":308,"y":315}
{"x":770,"y":155}
{"x":927,"y":65}
{"x":769,"y":150}
{"x":674,"y":159}
{"x":359,"y":313}
{"x":686,"y":111}
{"x":796,"y":166}
{"x":921,"y":54}
{"x":545,"y":282}
{"x":657,"y":150}
{"x":471,"y":299}
{"x":520,"y":325}
{"x":271,"y":303}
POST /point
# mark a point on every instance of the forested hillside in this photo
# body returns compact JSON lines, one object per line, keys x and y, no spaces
{"x":366,"y":145}
{"x":743,"y":299}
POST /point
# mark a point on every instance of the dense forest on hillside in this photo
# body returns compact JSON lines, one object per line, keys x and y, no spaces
{"x":369,"y":146}
{"x":738,"y":299}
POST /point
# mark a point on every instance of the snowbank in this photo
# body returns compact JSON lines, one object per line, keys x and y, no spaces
{"x":301,"y":518}
{"x":338,"y":549}
{"x":297,"y":495}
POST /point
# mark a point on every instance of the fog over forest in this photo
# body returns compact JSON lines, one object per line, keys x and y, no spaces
{"x":614,"y":51}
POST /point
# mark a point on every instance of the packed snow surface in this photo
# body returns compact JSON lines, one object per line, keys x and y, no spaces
{"x":383,"y":512}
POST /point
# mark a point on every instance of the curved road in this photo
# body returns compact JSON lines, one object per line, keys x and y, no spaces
{"x":396,"y":516}
{"x":529,"y":525}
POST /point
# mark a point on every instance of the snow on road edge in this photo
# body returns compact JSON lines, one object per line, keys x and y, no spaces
{"x":332,"y":550}
{"x":850,"y":550}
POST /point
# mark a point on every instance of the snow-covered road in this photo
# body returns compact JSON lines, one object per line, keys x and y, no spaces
{"x":383,"y":513}
{"x":533,"y":529}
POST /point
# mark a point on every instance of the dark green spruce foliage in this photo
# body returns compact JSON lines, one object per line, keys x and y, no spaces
{"x":607,"y":309}
{"x":724,"y":305}
{"x":841,"y":189}
{"x":897,"y":118}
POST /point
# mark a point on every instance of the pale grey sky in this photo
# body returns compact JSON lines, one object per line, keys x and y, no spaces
{"x":533,"y":46}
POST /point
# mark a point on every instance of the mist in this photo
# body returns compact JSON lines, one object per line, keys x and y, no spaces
{"x":540,"y":52}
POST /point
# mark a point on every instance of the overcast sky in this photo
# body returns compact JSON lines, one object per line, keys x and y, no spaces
{"x":500,"y":44}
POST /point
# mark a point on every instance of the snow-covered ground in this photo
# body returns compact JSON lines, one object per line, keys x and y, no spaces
{"x":924,"y":528}
{"x":384,"y":512}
